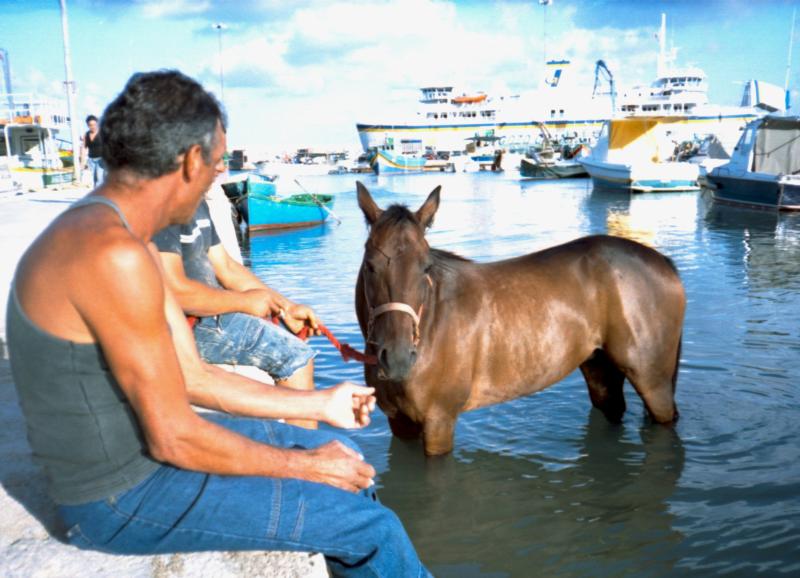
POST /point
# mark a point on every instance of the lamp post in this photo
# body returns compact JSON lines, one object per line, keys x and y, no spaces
{"x":219,"y":26}
{"x":70,"y":86}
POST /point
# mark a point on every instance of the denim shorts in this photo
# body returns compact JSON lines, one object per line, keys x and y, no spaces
{"x":176,"y":510}
{"x":240,"y":339}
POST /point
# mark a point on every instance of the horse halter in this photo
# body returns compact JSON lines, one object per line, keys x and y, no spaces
{"x":416,"y":316}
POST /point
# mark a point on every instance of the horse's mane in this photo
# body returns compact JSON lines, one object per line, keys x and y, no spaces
{"x":397,"y":213}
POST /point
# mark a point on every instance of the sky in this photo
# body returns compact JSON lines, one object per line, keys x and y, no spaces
{"x":301,"y":73}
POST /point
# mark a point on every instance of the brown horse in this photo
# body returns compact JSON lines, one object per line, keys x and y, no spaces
{"x":452,"y":335}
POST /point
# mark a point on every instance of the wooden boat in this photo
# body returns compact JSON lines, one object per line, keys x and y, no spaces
{"x":551,"y":169}
{"x":763,"y":170}
{"x":264,"y":209}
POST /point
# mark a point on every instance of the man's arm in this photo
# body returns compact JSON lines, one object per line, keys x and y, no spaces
{"x":233,"y":275}
{"x":345,"y":405}
{"x":197,"y":298}
{"x":125,"y":311}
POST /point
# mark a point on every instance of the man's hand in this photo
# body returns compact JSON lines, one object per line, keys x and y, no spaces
{"x":348,"y":405}
{"x":296,"y":316}
{"x":260,"y":303}
{"x":338,"y":465}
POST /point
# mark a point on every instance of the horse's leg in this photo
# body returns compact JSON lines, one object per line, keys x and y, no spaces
{"x":653,"y":376}
{"x":437,"y":433}
{"x":605,"y":385}
{"x":404,"y":427}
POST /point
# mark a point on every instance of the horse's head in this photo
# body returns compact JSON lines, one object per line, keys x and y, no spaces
{"x":395,"y":279}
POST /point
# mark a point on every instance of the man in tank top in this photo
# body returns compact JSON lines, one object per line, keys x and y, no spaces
{"x":93,"y":150}
{"x":106,"y":372}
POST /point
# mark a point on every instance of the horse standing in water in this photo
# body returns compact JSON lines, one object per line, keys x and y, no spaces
{"x":452,"y":335}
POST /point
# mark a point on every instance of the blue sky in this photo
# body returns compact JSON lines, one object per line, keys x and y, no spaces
{"x":302,"y":73}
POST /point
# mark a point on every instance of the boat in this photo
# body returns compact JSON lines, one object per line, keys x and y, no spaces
{"x":550,"y":160}
{"x":638,"y":153}
{"x":764,"y":169}
{"x":33,"y":140}
{"x":444,"y":115}
{"x":410,"y":160}
{"x":32,"y":148}
{"x":259,"y":205}
{"x":268,"y":210}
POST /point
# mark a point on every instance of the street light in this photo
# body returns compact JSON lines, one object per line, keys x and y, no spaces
{"x":219,"y":26}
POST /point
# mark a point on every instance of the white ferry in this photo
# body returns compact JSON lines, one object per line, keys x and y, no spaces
{"x":447,"y":118}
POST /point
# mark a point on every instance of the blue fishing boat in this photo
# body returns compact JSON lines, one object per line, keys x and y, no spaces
{"x":389,"y":161}
{"x":263,"y":209}
{"x":764,"y":170}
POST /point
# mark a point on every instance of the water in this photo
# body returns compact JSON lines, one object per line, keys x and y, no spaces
{"x":544,"y":485}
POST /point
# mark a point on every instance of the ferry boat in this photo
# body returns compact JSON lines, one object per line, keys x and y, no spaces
{"x":764,"y":170}
{"x":447,"y":117}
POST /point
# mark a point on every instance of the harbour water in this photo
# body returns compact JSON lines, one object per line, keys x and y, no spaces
{"x":544,"y":485}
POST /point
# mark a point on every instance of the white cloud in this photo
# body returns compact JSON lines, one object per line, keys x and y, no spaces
{"x":166,"y":8}
{"x":311,"y":76}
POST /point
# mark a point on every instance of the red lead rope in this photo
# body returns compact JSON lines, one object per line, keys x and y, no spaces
{"x":347,"y":352}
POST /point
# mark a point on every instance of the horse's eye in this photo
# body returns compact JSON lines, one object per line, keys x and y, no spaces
{"x":427,"y":269}
{"x":369,"y":267}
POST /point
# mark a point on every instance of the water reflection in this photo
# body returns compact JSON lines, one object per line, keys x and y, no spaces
{"x":483,"y":513}
{"x":766,"y":243}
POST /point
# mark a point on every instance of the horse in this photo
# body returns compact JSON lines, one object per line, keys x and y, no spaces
{"x":450,"y":335}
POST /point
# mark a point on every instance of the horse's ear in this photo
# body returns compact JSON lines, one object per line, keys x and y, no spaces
{"x":428,"y":209}
{"x":368,"y":207}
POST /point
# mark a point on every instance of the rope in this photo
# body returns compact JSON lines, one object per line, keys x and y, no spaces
{"x":345,"y":350}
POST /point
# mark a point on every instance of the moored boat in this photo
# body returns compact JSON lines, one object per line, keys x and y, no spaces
{"x":389,"y":161}
{"x":638,"y":153}
{"x":764,"y":169}
{"x":550,"y":161}
{"x":257,"y":201}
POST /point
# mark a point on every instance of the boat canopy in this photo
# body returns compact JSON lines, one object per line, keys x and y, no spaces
{"x":640,"y":139}
{"x":778,"y":146}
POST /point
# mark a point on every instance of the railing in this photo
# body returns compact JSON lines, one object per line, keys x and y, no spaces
{"x":29,"y":108}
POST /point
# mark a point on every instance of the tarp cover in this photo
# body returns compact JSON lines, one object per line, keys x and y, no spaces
{"x":778,"y":146}
{"x":641,"y":139}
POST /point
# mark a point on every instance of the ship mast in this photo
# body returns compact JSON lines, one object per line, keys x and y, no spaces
{"x":787,"y":101}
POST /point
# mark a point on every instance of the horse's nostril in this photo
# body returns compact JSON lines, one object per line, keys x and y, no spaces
{"x":413,"y":356}
{"x":383,"y":358}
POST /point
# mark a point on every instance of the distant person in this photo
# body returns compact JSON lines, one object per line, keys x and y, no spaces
{"x":92,"y":151}
{"x":233,"y":306}
{"x":106,"y":371}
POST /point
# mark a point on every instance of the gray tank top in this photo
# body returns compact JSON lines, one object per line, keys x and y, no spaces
{"x":81,"y":428}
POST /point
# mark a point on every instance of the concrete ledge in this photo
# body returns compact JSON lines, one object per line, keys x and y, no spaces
{"x":28,"y":548}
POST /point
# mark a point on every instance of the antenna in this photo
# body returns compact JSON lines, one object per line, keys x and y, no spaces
{"x":787,"y":102}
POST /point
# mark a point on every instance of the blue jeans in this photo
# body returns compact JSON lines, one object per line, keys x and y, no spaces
{"x":240,"y":339}
{"x":96,"y":169}
{"x":177,"y":510}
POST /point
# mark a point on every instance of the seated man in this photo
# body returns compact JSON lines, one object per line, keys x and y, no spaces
{"x":105,"y":383}
{"x":233,"y":305}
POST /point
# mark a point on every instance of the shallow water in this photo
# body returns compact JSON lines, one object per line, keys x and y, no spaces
{"x":544,"y":485}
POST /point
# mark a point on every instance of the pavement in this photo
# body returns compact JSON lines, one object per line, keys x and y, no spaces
{"x":31,"y":543}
